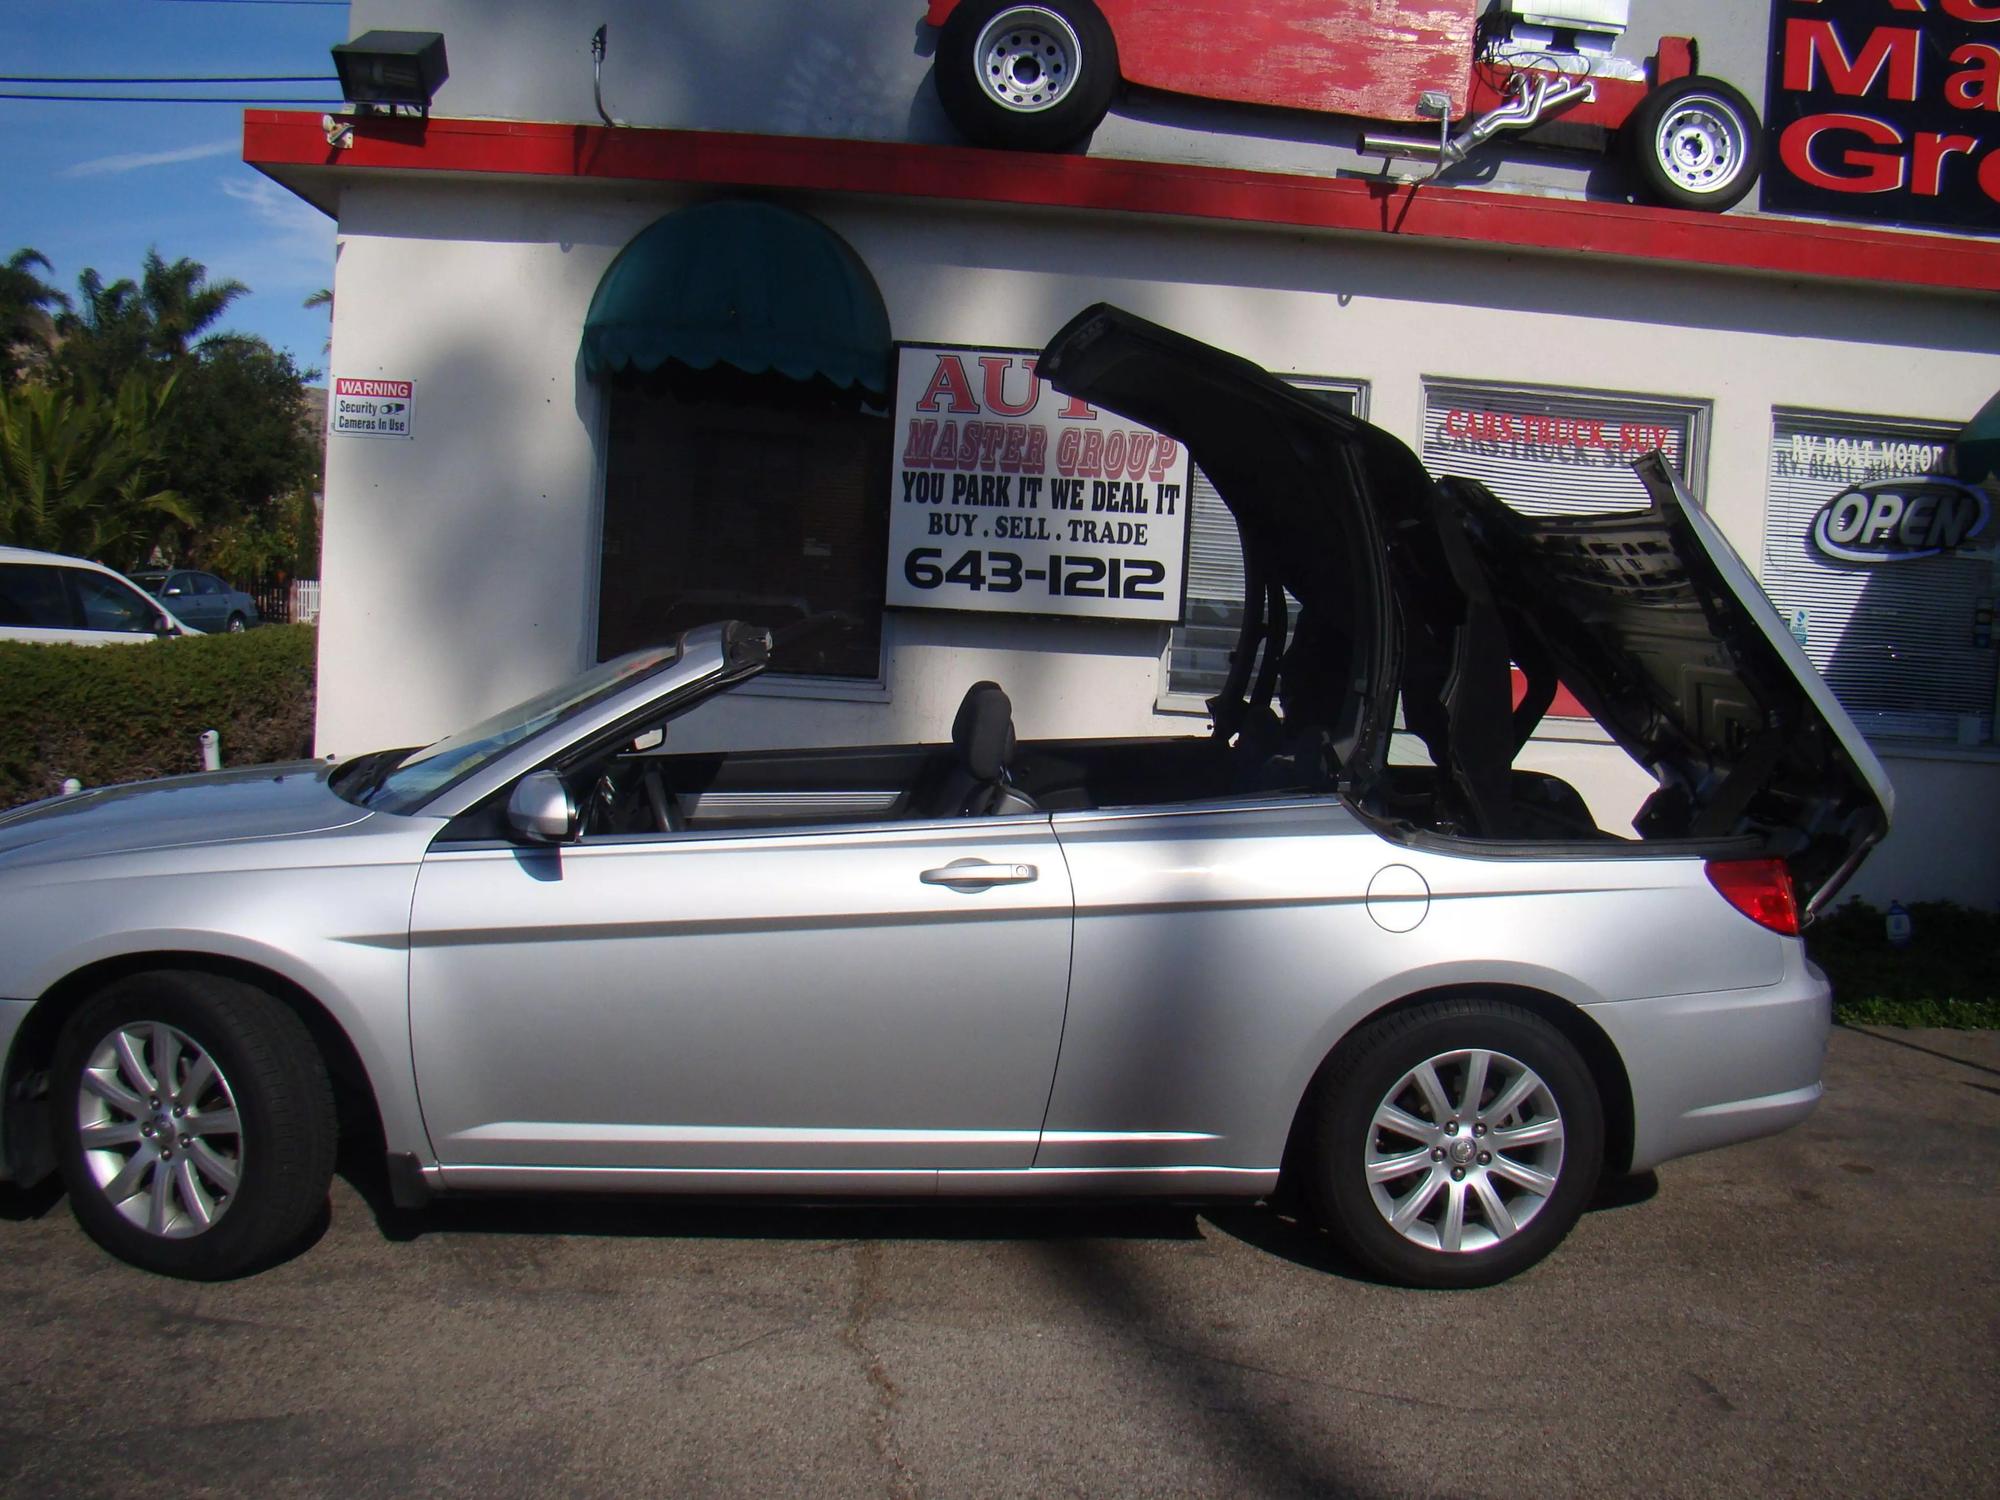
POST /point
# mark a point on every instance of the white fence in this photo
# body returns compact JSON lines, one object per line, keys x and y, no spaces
{"x":305,"y":601}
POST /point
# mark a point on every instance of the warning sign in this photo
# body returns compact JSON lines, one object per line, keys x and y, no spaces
{"x":374,"y":408}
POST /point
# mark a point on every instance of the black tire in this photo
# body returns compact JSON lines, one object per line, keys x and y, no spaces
{"x":266,"y":1066}
{"x":237,"y":624}
{"x":1695,"y":143}
{"x":1043,"y":86}
{"x":1372,"y":1071}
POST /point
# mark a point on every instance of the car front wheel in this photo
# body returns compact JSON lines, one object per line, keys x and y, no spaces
{"x":196,"y":1124}
{"x":1456,"y":1143}
{"x":237,"y":624}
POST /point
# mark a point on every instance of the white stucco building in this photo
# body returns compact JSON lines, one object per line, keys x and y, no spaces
{"x":542,"y":500}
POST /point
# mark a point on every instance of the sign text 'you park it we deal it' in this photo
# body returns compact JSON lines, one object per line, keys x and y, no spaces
{"x":1011,"y":497}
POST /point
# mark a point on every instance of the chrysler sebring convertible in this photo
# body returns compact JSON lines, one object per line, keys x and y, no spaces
{"x":558,"y":951}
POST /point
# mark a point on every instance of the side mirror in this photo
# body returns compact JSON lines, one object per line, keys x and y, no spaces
{"x":164,"y":628}
{"x":541,"y":809}
{"x":173,"y":593}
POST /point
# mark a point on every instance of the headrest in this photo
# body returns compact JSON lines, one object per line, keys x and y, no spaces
{"x":983,"y":732}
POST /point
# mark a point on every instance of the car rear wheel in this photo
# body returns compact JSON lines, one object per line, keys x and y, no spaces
{"x":1696,"y":144}
{"x":1456,"y":1143}
{"x":195,"y":1122}
{"x":1027,"y":77}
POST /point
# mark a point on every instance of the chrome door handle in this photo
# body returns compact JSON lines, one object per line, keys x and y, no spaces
{"x":978,"y":873}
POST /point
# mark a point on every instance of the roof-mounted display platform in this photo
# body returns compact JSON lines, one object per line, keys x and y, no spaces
{"x":293,"y":149}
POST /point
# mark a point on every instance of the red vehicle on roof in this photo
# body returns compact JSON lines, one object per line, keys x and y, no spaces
{"x":1041,"y":76}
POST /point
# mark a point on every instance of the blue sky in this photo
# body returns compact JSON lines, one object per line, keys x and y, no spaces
{"x":97,"y":184}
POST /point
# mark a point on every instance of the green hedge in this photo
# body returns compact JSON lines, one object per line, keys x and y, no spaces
{"x":106,"y":714}
{"x":1948,"y":976}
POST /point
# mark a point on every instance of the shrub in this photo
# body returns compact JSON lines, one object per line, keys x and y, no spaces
{"x":1948,"y":976}
{"x":106,"y":714}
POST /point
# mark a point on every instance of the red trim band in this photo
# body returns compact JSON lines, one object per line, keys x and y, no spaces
{"x":279,"y":139}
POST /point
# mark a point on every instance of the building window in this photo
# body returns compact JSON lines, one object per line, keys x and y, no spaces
{"x":1198,"y":649}
{"x":1547,"y":451}
{"x":1906,"y":645}
{"x":748,"y":497}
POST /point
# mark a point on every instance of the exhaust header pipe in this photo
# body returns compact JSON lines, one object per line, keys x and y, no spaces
{"x":1542,"y":96}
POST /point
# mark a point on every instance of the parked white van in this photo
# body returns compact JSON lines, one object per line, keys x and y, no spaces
{"x":47,"y":597}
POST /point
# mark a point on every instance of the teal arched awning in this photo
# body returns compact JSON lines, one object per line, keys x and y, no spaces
{"x":752,"y":285}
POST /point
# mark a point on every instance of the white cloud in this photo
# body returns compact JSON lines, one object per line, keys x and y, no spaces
{"x":277,"y":208}
{"x":134,"y":161}
{"x":286,"y":245}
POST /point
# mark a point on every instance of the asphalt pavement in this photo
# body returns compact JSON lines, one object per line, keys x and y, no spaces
{"x":1818,"y":1313}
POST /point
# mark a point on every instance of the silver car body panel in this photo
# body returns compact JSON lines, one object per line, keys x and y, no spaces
{"x":607,"y":1015}
{"x":1222,"y":951}
{"x":321,"y":899}
{"x":751,"y":1001}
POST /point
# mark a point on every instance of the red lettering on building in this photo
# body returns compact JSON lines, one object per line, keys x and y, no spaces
{"x":1810,"y":43}
{"x":995,"y":368}
{"x":1928,"y":159}
{"x":1978,"y":86}
{"x":948,"y":379}
{"x":1875,"y":171}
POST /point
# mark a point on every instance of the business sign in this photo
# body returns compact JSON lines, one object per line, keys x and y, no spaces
{"x":1898,"y":520}
{"x":1577,"y":439}
{"x":373,"y":408}
{"x":1887,"y":110}
{"x":1011,"y":497}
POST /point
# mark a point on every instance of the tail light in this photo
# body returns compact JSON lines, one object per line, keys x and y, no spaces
{"x":1759,"y":888}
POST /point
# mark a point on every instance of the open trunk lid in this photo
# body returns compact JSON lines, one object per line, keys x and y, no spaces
{"x":1663,"y":634}
{"x":1431,"y":591}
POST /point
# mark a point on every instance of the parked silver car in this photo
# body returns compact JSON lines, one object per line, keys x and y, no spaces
{"x":555,"y":952}
{"x":202,"y":599}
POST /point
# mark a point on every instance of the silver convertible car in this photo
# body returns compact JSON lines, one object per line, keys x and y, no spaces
{"x":557,"y":952}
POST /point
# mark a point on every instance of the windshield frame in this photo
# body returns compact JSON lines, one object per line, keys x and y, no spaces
{"x":407,"y":781}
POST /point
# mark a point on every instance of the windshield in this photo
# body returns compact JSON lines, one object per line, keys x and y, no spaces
{"x":401,"y":783}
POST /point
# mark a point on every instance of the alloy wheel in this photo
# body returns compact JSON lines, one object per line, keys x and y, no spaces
{"x":158,"y":1125}
{"x":1464,"y":1151}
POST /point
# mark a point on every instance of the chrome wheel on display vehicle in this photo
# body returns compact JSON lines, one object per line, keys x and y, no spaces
{"x":195,"y":1121}
{"x":1696,"y":144}
{"x":1457,"y":1144}
{"x":1034,"y":77}
{"x":237,"y":624}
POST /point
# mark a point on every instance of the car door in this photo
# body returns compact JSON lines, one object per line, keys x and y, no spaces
{"x":112,"y":609}
{"x":834,"y":999}
{"x":200,"y":602}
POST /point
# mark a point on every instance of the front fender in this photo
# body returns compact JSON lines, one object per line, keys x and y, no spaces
{"x":339,"y":931}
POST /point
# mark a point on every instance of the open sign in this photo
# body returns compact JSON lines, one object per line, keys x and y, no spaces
{"x":1896,"y":520}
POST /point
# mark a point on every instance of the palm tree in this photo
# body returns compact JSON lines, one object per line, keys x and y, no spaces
{"x":181,"y":302}
{"x":158,"y":321}
{"x":104,"y":334}
{"x":27,"y":304}
{"x":79,"y":470}
{"x":322,"y":298}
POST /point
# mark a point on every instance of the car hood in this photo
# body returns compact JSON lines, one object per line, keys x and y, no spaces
{"x":224,"y":806}
{"x":1423,"y":591}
